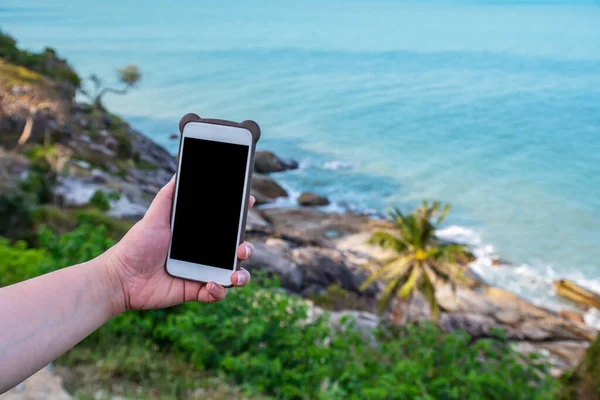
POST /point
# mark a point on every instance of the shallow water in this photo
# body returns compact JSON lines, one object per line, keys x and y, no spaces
{"x":492,"y":106}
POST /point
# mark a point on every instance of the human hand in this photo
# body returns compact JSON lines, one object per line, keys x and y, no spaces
{"x":136,"y":264}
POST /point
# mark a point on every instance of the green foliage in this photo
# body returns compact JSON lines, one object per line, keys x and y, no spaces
{"x":101,"y":200}
{"x":18,"y":263}
{"x":46,"y":63}
{"x":129,"y":74}
{"x":80,"y":245}
{"x":15,"y":221}
{"x":421,"y":260}
{"x":261,"y":337}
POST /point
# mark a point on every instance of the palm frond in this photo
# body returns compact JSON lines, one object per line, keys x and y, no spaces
{"x":387,"y":294}
{"x":394,"y":269}
{"x":428,"y":291}
{"x":386,"y":240}
{"x":452,"y":252}
{"x":410,"y":284}
{"x":444,"y":214}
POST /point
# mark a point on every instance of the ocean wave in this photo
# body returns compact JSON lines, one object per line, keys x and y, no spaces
{"x":338,"y":164}
{"x":532,"y":282}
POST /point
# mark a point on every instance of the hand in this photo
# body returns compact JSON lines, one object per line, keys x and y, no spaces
{"x":136,"y":263}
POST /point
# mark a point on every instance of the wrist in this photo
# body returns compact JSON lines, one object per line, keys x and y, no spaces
{"x":113,"y":285}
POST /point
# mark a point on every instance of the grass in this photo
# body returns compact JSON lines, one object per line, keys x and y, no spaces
{"x":61,"y":220}
{"x":11,"y":75}
{"x":139,"y":371}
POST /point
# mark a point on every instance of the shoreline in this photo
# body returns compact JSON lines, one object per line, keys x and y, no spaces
{"x":488,"y":265}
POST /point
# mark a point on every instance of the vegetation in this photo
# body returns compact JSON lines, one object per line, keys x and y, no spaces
{"x":584,"y":382}
{"x":128,"y":76}
{"x":262,"y":339}
{"x":101,"y":200}
{"x":46,"y":62}
{"x":420,"y":261}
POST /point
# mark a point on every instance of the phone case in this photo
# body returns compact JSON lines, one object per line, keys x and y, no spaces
{"x":255,"y":131}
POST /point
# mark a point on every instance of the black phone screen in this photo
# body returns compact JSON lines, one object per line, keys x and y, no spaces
{"x":209,"y":201}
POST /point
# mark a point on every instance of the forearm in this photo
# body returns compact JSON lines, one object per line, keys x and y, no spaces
{"x":42,"y":318}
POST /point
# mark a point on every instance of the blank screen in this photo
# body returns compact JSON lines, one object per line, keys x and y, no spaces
{"x":209,"y":201}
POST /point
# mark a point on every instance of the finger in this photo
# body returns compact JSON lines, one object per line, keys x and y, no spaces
{"x":252,"y":201}
{"x":159,"y":213}
{"x":212,"y":292}
{"x":245,"y":251}
{"x":240,"y":278}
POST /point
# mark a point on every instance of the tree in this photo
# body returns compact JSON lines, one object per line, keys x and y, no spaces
{"x":38,"y":103}
{"x":129,"y":76}
{"x":420,"y":261}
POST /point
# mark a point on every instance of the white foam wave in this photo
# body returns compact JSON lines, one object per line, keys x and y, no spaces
{"x":338,"y":164}
{"x":532,"y":282}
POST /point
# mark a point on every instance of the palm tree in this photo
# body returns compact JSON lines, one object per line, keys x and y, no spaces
{"x":421,"y":261}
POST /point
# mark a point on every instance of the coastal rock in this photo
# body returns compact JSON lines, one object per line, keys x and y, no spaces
{"x":255,"y":220}
{"x":478,"y":312}
{"x":267,"y":161}
{"x":572,"y":316}
{"x":312,"y":199}
{"x":562,"y":355}
{"x":322,"y":268}
{"x":577,"y":293}
{"x":317,"y":224}
{"x":273,"y":261}
{"x":266,"y":188}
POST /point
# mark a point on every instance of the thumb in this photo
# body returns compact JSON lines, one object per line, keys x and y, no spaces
{"x":159,"y":213}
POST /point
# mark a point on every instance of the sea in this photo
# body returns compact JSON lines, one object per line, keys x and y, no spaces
{"x":492,"y":106}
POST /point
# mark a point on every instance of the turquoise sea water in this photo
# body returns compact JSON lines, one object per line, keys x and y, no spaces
{"x":493,"y":106}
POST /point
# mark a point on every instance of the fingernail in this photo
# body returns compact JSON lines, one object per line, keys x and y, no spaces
{"x":241,"y":278}
{"x":249,"y":250}
{"x":211,"y":286}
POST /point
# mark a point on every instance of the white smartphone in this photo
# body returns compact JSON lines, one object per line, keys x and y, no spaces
{"x":211,"y":196}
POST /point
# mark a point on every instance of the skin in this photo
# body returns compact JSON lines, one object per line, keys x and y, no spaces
{"x":42,"y":318}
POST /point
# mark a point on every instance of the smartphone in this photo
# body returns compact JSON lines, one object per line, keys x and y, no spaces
{"x":210,"y":201}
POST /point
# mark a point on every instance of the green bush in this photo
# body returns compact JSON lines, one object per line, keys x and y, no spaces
{"x":46,"y":62}
{"x":101,"y":200}
{"x":261,"y":338}
{"x":18,"y":263}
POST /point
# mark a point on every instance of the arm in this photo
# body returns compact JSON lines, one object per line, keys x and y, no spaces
{"x":43,"y":317}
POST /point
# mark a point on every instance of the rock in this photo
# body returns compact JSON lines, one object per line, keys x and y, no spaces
{"x":576,"y":293}
{"x":315,"y":223}
{"x":572,"y":316}
{"x":259,"y":198}
{"x":174,"y":136}
{"x":500,"y":262}
{"x":312,"y":199}
{"x":476,"y":325}
{"x":267,"y":187}
{"x":273,"y":261}
{"x":267,"y":161}
{"x":43,"y":385}
{"x":365,"y":322}
{"x":562,"y":355}
{"x":322,"y":268}
{"x":279,"y":244}
{"x":255,"y":220}
{"x":13,"y":170}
